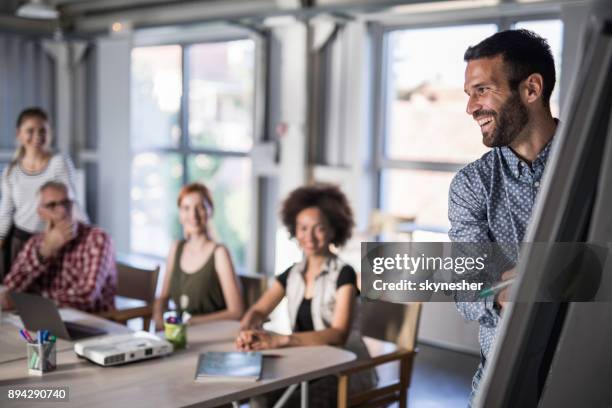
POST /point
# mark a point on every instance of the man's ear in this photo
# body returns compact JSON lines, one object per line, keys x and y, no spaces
{"x":533,"y":87}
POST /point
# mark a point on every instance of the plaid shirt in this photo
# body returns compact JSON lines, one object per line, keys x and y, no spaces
{"x":82,"y":275}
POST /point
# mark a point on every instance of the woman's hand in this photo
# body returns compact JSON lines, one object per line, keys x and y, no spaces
{"x":249,"y":340}
{"x":158,"y":317}
{"x":159,"y":321}
{"x":251,"y":320}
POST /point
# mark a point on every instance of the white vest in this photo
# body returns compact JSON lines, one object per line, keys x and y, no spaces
{"x":322,"y":309}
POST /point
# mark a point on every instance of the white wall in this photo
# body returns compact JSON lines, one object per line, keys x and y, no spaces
{"x":293,"y":116}
{"x":113,"y":93}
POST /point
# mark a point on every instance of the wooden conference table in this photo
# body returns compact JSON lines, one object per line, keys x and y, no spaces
{"x":168,"y":381}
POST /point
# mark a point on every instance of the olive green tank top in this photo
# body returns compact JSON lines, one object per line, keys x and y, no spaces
{"x":199,"y":292}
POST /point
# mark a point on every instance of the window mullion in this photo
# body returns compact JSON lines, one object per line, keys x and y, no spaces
{"x":379,"y":73}
{"x":184,"y":140}
{"x":421,"y":165}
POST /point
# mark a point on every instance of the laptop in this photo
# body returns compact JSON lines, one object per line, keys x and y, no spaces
{"x":39,"y":313}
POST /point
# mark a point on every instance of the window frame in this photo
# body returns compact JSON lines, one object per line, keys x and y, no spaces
{"x":379,"y":34}
{"x":157,"y":37}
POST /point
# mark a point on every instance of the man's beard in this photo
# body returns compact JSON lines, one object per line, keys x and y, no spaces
{"x":509,"y":122}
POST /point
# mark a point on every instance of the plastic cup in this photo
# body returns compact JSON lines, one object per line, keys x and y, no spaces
{"x":41,"y":358}
{"x":176,"y":333}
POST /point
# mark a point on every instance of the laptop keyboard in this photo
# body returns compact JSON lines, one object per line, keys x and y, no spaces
{"x":80,"y":331}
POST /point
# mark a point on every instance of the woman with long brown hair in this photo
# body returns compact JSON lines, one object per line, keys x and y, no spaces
{"x":34,"y":165}
{"x":200,"y":277}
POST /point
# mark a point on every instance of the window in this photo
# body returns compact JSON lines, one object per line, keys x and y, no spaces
{"x":425,"y":134}
{"x":192,"y":120}
{"x":552,"y":30}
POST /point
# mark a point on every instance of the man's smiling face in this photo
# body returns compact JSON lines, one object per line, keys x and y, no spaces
{"x":498,"y":110}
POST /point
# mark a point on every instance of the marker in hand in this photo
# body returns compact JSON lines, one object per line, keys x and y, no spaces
{"x":495,"y":288}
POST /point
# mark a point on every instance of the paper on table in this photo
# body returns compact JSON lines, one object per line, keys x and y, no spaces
{"x":70,"y":315}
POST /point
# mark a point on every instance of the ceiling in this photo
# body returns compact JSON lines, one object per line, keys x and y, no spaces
{"x":89,"y":17}
{"x":98,"y":6}
{"x":97,"y":15}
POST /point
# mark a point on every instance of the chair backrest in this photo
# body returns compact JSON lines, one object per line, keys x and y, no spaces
{"x":389,"y":225}
{"x":253,"y":286}
{"x":136,"y":283}
{"x":393,"y":322}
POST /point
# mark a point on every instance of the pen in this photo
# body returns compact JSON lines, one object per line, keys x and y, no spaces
{"x":23,"y":335}
{"x":34,"y":360}
{"x":27,"y":336}
{"x":495,"y":288}
{"x":186,"y":316}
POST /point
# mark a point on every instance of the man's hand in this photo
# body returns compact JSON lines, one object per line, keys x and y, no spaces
{"x":5,"y":299}
{"x":56,"y":236}
{"x":503,"y":295}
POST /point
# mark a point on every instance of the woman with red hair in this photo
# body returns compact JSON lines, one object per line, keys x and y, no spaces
{"x":200,"y":276}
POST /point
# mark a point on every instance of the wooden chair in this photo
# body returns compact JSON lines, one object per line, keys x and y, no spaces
{"x":135,"y":294}
{"x":389,"y":339}
{"x":389,"y":225}
{"x":253,"y":286}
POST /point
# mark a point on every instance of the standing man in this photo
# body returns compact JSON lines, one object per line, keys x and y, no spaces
{"x":70,"y":262}
{"x":509,"y":79}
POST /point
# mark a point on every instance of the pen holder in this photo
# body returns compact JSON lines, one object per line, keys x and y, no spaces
{"x":41,"y":358}
{"x":176,"y":333}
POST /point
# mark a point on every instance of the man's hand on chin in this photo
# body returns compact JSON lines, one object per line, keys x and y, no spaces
{"x":56,"y":236}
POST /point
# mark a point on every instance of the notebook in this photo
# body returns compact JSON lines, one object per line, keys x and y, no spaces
{"x":228,"y":366}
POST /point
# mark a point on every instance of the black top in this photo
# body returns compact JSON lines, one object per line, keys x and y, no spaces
{"x":303,"y":322}
{"x":347,"y":276}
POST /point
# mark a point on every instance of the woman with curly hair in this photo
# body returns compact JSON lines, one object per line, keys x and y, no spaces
{"x":321,"y":290}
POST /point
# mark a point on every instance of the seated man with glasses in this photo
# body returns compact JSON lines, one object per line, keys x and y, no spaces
{"x":70,"y":262}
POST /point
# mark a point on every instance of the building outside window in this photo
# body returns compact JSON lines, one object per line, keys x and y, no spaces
{"x":425,"y":135}
{"x":192,"y":119}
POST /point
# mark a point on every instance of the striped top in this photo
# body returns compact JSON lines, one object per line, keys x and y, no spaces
{"x":19,"y":201}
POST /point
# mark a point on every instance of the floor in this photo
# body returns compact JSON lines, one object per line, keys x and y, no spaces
{"x":441,"y":378}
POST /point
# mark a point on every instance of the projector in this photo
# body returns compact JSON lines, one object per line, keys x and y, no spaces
{"x":115,"y":349}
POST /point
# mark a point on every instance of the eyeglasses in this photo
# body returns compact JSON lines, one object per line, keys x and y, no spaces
{"x":51,"y":205}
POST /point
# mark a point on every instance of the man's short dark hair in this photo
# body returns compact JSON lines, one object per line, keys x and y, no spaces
{"x":524,"y":53}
